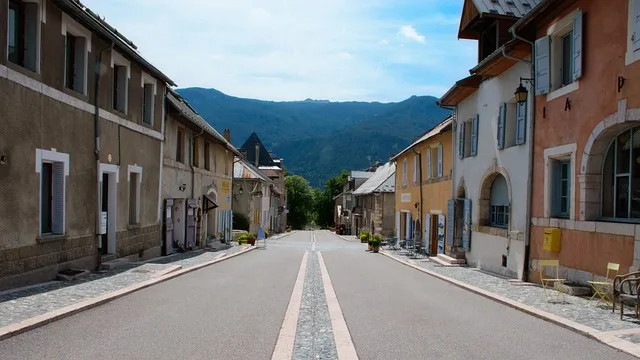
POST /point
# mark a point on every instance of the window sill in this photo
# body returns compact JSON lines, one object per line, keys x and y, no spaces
{"x":617,"y":220}
{"x":23,"y":70}
{"x":567,"y":89}
{"x":49,"y":238}
{"x":492,"y":230}
{"x":75,"y":94}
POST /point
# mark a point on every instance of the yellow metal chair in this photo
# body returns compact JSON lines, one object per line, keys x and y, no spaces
{"x":546,"y":281}
{"x":603,"y":289}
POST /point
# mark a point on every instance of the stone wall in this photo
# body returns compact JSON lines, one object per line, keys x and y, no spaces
{"x":136,"y":239}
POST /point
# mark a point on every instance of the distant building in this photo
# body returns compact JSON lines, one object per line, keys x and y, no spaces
{"x":377,"y":195}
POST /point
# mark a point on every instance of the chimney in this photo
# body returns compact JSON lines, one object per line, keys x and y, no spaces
{"x":227,"y":135}
{"x":257,"y":155}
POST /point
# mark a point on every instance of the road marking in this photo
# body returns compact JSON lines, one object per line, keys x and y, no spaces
{"x":287,"y":336}
{"x":344,"y":344}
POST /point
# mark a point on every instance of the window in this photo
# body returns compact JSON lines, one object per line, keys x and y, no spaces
{"x":559,"y":56}
{"x":560,"y":188}
{"x":53,"y":168}
{"x":621,"y":177}
{"x":512,"y":121}
{"x":195,"y":151}
{"x":207,"y":156}
{"x":468,"y":137}
{"x":148,"y":98}
{"x":135,"y":182}
{"x":429,"y":171}
{"x":77,"y":44}
{"x":180,"y":146}
{"x":121,"y":74}
{"x":415,"y":168}
{"x":499,"y":203}
{"x":23,"y":33}
{"x":404,"y":172}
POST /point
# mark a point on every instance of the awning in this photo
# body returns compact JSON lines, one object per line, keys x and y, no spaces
{"x":209,"y":204}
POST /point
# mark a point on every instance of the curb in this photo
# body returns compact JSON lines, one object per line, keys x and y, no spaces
{"x":607,"y":339}
{"x":285,"y":235}
{"x":58,"y":314}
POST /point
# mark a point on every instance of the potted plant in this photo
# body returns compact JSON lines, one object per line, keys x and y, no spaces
{"x":247,"y":239}
{"x":369,"y":242}
{"x":365,"y":237}
{"x":375,"y":243}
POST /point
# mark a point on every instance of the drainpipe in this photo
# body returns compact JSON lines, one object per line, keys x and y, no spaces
{"x":527,"y":235}
{"x":193,"y":178}
{"x":420,"y":184}
{"x":96,"y":152}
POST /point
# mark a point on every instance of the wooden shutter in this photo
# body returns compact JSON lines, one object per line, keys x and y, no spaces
{"x":466,"y":225}
{"x":78,"y":69}
{"x":461,"y":140}
{"x":577,"y":46}
{"x":122,"y":88}
{"x":57,"y":223}
{"x":502,"y":116}
{"x":404,"y":172}
{"x":474,"y":135}
{"x":636,"y":26}
{"x":555,"y":187}
{"x":439,"y":160}
{"x":415,"y":168}
{"x":398,"y":225}
{"x":31,"y":35}
{"x":451,"y":213}
{"x":429,"y":173}
{"x":543,"y":63}
{"x":427,"y":232}
{"x":521,"y":123}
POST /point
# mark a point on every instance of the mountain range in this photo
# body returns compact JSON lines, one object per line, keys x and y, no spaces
{"x":319,"y":138}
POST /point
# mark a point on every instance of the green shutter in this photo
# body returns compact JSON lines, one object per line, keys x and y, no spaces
{"x":502,"y":115}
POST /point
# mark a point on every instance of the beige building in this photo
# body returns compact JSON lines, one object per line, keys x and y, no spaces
{"x":197,"y":176}
{"x":80,"y":151}
{"x":377,"y":196}
{"x":252,"y":192}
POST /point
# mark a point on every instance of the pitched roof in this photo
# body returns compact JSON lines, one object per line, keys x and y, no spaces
{"x":242,"y":169}
{"x":250,"y":147}
{"x":383,"y":180}
{"x":482,"y":11}
{"x":190,"y":114}
{"x":361,"y":174}
{"x":515,"y":8}
{"x":437,"y":130}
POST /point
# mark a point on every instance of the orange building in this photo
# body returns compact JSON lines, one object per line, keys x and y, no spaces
{"x":423,"y":186}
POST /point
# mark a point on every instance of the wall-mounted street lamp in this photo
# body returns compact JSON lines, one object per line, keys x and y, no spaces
{"x":521,"y":92}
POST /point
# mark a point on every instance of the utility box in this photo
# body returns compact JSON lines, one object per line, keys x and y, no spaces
{"x":551,"y":240}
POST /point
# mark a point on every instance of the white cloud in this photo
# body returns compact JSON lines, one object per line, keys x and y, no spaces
{"x":410,"y":32}
{"x":293,"y":49}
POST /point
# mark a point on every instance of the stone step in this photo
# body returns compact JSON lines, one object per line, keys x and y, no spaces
{"x":113,"y":264}
{"x":437,"y":260}
{"x":451,"y":260}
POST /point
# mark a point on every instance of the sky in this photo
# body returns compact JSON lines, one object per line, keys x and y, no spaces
{"x":338,"y":50}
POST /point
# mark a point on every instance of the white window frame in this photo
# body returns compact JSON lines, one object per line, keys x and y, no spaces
{"x":563,"y":152}
{"x":42,"y":15}
{"x":404,"y":172}
{"x":52,"y":156}
{"x":74,"y":28}
{"x":556,"y":31}
{"x":630,"y":55}
{"x":147,"y":79}
{"x":118,"y":59}
{"x":135,"y":169}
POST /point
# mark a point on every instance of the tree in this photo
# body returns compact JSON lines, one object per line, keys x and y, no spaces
{"x":300,"y":201}
{"x":324,"y":204}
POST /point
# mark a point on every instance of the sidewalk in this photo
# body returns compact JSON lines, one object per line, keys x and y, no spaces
{"x":24,"y":303}
{"x":596,"y":321}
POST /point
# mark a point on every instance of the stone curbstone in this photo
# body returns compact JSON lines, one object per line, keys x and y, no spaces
{"x":58,"y":314}
{"x":612,"y":341}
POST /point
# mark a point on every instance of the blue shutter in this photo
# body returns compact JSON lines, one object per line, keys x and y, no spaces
{"x":57,"y":223}
{"x":555,"y":187}
{"x":429,"y":173}
{"x":521,"y":123}
{"x":78,"y":70}
{"x":398,"y":225}
{"x":451,"y":214}
{"x":577,"y":46}
{"x":461,"y":140}
{"x":502,"y":115}
{"x":542,"y":65}
{"x":439,"y":160}
{"x":31,"y":35}
{"x":636,"y":28}
{"x":474,"y":135}
{"x":427,"y":232}
{"x":466,"y":225}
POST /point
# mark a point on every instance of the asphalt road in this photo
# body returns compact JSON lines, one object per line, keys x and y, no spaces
{"x":234,"y":310}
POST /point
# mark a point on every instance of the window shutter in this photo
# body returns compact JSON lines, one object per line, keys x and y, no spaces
{"x":577,"y":46}
{"x":415,"y":168}
{"x":429,"y":173}
{"x":474,"y":135}
{"x":451,"y":213}
{"x":79,"y":70}
{"x":398,"y":225}
{"x":31,"y":35}
{"x":555,"y":185}
{"x":521,"y":123}
{"x":542,"y":80}
{"x":439,"y":160}
{"x":57,"y":225}
{"x":466,"y":225}
{"x":636,"y":28}
{"x":122,"y":91}
{"x":461,"y":141}
{"x":404,"y":172}
{"x":502,"y":115}
{"x":427,"y":232}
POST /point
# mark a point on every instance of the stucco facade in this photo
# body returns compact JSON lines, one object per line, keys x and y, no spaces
{"x":252,"y":195}
{"x":422,"y":215}
{"x":577,"y":124}
{"x":377,"y":196}
{"x":49,"y":178}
